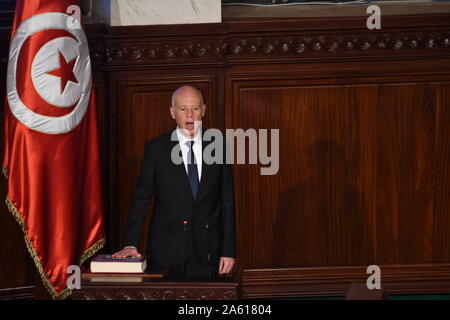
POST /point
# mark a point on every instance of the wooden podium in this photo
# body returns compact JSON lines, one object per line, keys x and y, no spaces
{"x":167,"y":286}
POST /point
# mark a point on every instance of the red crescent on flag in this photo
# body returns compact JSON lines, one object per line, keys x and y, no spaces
{"x":24,"y":83}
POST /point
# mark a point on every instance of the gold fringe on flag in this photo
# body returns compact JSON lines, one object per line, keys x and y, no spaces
{"x":5,"y":172}
{"x":86,"y":255}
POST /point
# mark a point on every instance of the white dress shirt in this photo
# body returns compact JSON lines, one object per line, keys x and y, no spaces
{"x":197,"y":150}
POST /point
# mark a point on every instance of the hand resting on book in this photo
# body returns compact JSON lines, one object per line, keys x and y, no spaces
{"x":127,"y":252}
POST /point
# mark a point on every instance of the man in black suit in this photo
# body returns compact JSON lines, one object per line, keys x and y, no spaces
{"x":193,"y":224}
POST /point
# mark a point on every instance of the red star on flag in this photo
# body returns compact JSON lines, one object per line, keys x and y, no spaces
{"x":65,"y":71}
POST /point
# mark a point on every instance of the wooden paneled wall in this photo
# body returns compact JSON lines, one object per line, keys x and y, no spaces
{"x":364,"y":122}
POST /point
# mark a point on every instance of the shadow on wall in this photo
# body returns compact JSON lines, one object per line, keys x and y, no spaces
{"x":323,"y":221}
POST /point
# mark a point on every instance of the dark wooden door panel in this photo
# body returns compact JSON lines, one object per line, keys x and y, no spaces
{"x":357,"y":177}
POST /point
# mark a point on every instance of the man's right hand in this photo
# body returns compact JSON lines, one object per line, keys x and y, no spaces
{"x":127,"y":252}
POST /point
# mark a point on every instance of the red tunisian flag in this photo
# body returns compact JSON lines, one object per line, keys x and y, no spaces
{"x":51,"y":143}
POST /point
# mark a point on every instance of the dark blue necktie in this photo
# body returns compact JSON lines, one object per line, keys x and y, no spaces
{"x":192,"y":169}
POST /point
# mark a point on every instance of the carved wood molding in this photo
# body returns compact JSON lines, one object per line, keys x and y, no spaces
{"x":286,"y":40}
{"x":335,"y":281}
{"x":280,"y":47}
{"x":153,"y":294}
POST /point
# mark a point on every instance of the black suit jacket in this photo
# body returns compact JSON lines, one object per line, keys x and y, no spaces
{"x":210,"y":216}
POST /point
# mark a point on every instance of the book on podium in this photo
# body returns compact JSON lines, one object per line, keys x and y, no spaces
{"x":105,"y":263}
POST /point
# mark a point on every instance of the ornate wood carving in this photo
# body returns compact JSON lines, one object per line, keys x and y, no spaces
{"x":153,"y":294}
{"x":276,"y":47}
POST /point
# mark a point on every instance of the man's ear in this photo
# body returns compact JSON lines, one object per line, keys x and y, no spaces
{"x":203,"y":109}
{"x":172,"y":111}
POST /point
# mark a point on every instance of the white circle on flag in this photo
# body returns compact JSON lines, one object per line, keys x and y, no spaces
{"x":48,"y":86}
{"x":47,"y":59}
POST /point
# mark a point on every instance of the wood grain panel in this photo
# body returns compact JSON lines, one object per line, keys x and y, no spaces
{"x":313,"y":211}
{"x":335,"y":281}
{"x":16,"y":266}
{"x":441,"y":235}
{"x":404,"y":173}
{"x":357,"y":177}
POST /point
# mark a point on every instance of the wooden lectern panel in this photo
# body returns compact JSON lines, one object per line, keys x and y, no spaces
{"x":98,"y":286}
